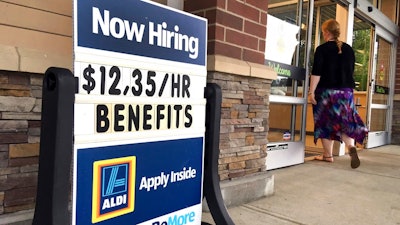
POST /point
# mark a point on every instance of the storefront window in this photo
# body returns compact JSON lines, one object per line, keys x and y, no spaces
{"x":285,"y":46}
{"x":362,"y":48}
{"x":285,"y":52}
{"x":389,"y":8}
{"x":280,"y":123}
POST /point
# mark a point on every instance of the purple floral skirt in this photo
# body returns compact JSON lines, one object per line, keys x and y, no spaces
{"x":335,"y":114}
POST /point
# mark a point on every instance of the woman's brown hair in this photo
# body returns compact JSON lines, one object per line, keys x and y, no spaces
{"x":333,"y":27}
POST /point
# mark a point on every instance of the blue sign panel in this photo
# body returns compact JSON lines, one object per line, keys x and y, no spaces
{"x":134,"y":183}
{"x":141,"y":28}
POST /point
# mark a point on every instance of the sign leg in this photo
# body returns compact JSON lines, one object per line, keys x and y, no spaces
{"x":56,"y":141}
{"x":211,"y":187}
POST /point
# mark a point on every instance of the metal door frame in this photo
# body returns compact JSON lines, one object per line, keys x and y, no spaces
{"x":379,"y":138}
{"x":388,"y":30}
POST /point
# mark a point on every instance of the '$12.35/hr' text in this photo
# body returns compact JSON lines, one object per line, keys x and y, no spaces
{"x":111,"y":80}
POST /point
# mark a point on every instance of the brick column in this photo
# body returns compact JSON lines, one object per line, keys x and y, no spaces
{"x":236,"y":45}
{"x":396,"y":102}
{"x":236,"y":29}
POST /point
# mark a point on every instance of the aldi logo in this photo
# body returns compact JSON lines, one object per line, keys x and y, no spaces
{"x":113,"y":188}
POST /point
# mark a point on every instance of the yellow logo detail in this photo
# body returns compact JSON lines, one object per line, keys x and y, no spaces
{"x":113,"y":188}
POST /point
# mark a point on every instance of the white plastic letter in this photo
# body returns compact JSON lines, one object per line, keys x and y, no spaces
{"x":97,"y":20}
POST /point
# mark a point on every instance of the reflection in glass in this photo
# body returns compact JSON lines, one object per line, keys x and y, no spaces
{"x":362,"y":33}
{"x":388,"y":7}
{"x":291,"y":16}
{"x":280,"y":118}
{"x":378,"y":123}
{"x":381,"y":89}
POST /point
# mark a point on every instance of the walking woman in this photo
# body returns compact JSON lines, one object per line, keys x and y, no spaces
{"x":331,"y":93}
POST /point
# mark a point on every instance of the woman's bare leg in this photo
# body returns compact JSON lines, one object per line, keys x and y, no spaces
{"x":328,"y":148}
{"x":349,"y":142}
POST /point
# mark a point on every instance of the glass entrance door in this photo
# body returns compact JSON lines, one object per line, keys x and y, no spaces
{"x":380,"y":90}
{"x":285,"y":52}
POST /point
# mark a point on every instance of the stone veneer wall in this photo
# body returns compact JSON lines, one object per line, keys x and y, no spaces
{"x":20,"y":113}
{"x":244,"y":124}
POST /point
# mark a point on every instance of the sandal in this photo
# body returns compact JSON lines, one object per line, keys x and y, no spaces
{"x":355,"y":161}
{"x":324,"y":158}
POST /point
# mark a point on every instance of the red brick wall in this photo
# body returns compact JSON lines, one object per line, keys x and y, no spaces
{"x":236,"y":28}
{"x":397,"y":76}
{"x":396,"y":102}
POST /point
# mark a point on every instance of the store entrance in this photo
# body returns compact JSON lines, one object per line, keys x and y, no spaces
{"x":296,"y":32}
{"x":286,"y":53}
{"x":374,"y":73}
{"x":375,"y":51}
{"x":293,"y":33}
{"x":324,"y":10}
{"x":375,"y":104}
{"x":379,"y":94}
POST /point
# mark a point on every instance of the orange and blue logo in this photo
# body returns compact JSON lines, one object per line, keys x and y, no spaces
{"x":113,"y":188}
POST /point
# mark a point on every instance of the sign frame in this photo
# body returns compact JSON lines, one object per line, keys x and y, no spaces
{"x":139,"y":112}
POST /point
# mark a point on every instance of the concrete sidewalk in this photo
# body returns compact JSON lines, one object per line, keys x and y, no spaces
{"x":330,"y":193}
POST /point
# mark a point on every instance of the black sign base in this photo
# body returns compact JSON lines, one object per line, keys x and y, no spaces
{"x":56,"y":147}
{"x":211,"y":187}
